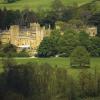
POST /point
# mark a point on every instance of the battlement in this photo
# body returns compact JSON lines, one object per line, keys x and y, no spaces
{"x":31,"y":36}
{"x":34,"y":25}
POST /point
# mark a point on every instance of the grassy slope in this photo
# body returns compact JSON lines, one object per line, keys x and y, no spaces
{"x":61,"y":62}
{"x":64,"y":62}
{"x":35,"y":4}
{"x":97,"y":6}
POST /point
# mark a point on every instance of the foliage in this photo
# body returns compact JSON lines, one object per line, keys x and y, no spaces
{"x":23,"y":53}
{"x":84,"y":39}
{"x":80,"y":57}
{"x":94,"y":47}
{"x":10,"y":50}
{"x":95,"y":20}
{"x":89,"y":88}
{"x":9,"y":1}
{"x":68,"y":42}
{"x":49,"y":45}
{"x":10,"y":17}
{"x":43,"y":82}
{"x":63,"y":45}
{"x":40,"y":81}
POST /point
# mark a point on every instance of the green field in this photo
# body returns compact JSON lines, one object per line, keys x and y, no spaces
{"x":60,"y":62}
{"x":97,"y":6}
{"x":36,"y":4}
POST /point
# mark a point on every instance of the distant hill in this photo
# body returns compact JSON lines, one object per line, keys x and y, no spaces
{"x":36,"y":4}
{"x":94,"y":6}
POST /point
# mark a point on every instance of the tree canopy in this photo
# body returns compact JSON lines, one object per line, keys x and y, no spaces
{"x":80,"y":57}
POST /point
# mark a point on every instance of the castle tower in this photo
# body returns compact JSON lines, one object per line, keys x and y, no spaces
{"x":14,"y":32}
{"x":34,"y":26}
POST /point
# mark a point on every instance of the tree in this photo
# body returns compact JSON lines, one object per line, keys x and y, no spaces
{"x":60,"y":11}
{"x":84,"y":39}
{"x":8,"y":48}
{"x":23,"y":53}
{"x":80,"y":57}
{"x":9,"y":1}
{"x":94,"y":47}
{"x":95,"y":20}
{"x":68,"y":42}
{"x":49,"y":45}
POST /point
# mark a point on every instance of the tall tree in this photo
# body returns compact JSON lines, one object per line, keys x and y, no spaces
{"x":68,"y":42}
{"x":80,"y":57}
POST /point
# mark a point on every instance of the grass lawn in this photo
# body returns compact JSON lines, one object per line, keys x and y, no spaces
{"x":97,"y":6}
{"x":35,"y":4}
{"x":60,"y":62}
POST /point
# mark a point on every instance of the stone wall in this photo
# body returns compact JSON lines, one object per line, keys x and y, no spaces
{"x":25,"y":38}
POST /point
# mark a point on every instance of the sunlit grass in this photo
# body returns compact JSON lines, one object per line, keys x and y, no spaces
{"x":35,"y":4}
{"x":59,"y":62}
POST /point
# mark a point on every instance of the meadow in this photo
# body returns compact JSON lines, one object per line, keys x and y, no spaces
{"x":60,"y":62}
{"x":37,"y":4}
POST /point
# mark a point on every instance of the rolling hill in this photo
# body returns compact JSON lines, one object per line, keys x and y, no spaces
{"x":36,"y":4}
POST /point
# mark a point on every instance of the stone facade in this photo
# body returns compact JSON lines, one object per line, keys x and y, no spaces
{"x":92,"y":31}
{"x":28,"y":38}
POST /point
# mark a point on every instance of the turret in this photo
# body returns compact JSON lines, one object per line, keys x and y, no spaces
{"x":14,"y":30}
{"x":34,"y":26}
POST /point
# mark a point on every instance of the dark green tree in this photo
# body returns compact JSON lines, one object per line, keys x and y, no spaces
{"x":94,"y":47}
{"x":68,"y":42}
{"x":9,"y":1}
{"x":49,"y":45}
{"x":9,"y":48}
{"x":95,"y":20}
{"x":80,"y":57}
{"x":84,"y":39}
{"x":60,"y":11}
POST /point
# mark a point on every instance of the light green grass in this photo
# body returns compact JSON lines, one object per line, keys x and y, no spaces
{"x":97,"y":4}
{"x":61,"y":62}
{"x":36,"y":4}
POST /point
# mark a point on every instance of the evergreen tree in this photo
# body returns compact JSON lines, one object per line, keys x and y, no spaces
{"x":80,"y":57}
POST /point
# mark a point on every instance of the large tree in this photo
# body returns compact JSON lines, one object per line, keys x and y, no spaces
{"x":49,"y":45}
{"x":80,"y":57}
{"x":94,"y":47}
{"x":68,"y":42}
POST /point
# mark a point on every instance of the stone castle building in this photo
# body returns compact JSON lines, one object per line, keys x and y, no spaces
{"x":30,"y":38}
{"x":25,"y":38}
{"x":90,"y":30}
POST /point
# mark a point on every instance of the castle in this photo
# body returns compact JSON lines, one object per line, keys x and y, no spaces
{"x":30,"y":38}
{"x":25,"y":38}
{"x":90,"y":30}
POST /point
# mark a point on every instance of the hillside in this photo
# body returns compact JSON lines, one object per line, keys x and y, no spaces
{"x":35,"y":4}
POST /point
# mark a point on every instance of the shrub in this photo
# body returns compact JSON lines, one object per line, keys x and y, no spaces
{"x":23,"y":53}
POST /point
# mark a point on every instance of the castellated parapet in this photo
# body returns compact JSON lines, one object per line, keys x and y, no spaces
{"x":28,"y":38}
